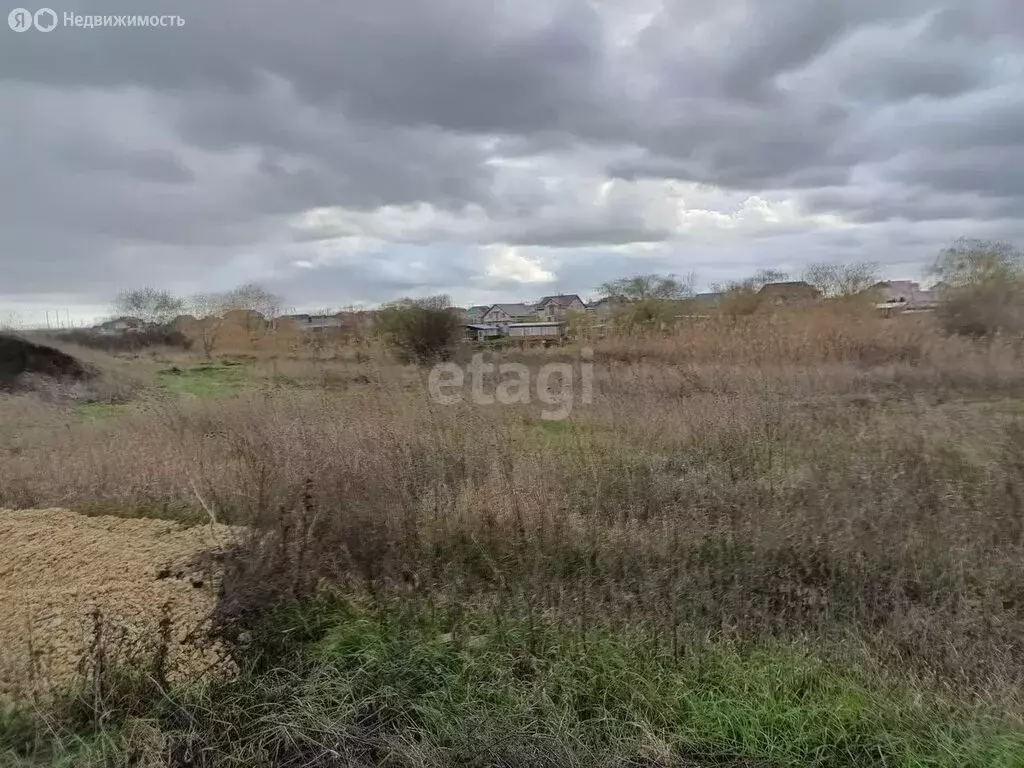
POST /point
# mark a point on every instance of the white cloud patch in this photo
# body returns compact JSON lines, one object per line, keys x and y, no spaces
{"x":508,"y":263}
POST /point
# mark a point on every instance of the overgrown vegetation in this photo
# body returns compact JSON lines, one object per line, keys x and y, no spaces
{"x":421,"y":330}
{"x":142,"y":338}
{"x":370,"y":683}
{"x":783,"y":539}
{"x":982,"y":283}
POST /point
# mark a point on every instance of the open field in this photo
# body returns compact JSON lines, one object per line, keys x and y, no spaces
{"x":791,"y":543}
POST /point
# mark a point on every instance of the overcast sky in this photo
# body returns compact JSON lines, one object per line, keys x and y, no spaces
{"x":347,"y":152}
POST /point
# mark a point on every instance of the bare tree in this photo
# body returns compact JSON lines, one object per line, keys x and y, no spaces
{"x":841,"y":280}
{"x":259,"y":303}
{"x":208,"y":309}
{"x":9,"y":321}
{"x":764,"y":277}
{"x":740,"y":297}
{"x":645,"y":287}
{"x":254,"y":298}
{"x":151,"y":305}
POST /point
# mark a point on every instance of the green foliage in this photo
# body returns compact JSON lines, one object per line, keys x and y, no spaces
{"x":202,"y":380}
{"x":982,"y":288}
{"x":969,"y":263}
{"x":649,"y":314}
{"x":577,"y":322}
{"x":423,"y":331}
{"x":400,"y":683}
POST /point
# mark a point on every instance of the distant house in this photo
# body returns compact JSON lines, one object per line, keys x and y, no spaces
{"x":710,"y":299}
{"x":476,"y":314}
{"x":540,"y":331}
{"x":555,"y":308}
{"x":789,"y":294}
{"x":480,"y":332}
{"x":317,"y":322}
{"x":607,"y":306}
{"x":120,"y":325}
{"x":903,"y":292}
{"x":903,"y":295}
{"x":503,"y":314}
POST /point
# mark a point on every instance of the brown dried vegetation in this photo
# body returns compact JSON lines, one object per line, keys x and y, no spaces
{"x":847,"y":483}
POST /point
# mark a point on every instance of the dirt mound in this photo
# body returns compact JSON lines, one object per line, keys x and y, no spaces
{"x":58,"y":569}
{"x":19,"y":357}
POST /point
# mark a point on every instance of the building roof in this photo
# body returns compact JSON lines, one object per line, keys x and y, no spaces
{"x":514,"y":310}
{"x":562,"y":300}
{"x":796,"y":289}
{"x":130,"y":321}
{"x":906,"y":285}
{"x":710,"y":296}
{"x":533,"y":325}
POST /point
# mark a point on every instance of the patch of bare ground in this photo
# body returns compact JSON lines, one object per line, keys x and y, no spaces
{"x":64,"y":578}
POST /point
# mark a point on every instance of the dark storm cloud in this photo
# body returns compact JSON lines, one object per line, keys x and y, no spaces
{"x":149,"y":154}
{"x":486,"y":67}
{"x":310,"y":158}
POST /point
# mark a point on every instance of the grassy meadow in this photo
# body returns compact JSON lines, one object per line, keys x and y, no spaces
{"x":792,"y":540}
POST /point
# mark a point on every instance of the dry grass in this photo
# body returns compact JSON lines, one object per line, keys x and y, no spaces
{"x":58,"y":568}
{"x":845,"y":484}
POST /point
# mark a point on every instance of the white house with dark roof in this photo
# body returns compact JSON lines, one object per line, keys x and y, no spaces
{"x":503,"y":314}
{"x":554,"y":308}
{"x":476,"y":313}
{"x":907,"y":292}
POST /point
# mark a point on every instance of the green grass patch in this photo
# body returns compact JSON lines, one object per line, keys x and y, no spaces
{"x":209,"y":380}
{"x":616,"y":695}
{"x":85,"y":412}
{"x":350,"y":683}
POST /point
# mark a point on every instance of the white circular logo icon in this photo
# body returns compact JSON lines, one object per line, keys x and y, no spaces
{"x":19,"y":19}
{"x":45,"y":19}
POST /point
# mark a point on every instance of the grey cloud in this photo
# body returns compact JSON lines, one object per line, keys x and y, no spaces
{"x":990,"y":172}
{"x":154,"y":165}
{"x":473,"y":67}
{"x":908,"y":202}
{"x":190,"y":150}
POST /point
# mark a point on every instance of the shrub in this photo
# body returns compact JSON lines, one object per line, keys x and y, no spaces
{"x":421,"y":330}
{"x":983,"y":310}
{"x":125,"y":342}
{"x":982,"y":289}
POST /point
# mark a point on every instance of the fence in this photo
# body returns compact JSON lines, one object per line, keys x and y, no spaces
{"x":43,"y":320}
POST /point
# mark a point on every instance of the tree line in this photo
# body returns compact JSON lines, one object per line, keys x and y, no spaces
{"x":160,"y":307}
{"x":982,"y":294}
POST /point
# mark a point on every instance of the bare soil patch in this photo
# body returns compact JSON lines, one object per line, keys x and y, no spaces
{"x":58,"y":569}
